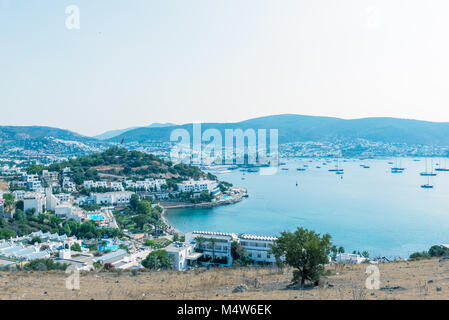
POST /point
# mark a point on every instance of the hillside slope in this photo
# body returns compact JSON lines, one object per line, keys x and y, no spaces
{"x":398,"y":280}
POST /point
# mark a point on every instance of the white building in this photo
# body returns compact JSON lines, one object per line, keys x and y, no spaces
{"x":51,"y":201}
{"x":111,"y":198}
{"x":222,"y":247}
{"x":89,"y":184}
{"x":146,"y":185}
{"x":34,"y":200}
{"x":19,"y":195}
{"x":258,"y":248}
{"x":49,"y":176}
{"x":183,"y":254}
{"x":68,"y":211}
{"x":349,"y":258}
{"x":116,"y":186}
{"x":32,"y":182}
{"x":197,"y":185}
{"x":63,"y":197}
{"x":68,"y":184}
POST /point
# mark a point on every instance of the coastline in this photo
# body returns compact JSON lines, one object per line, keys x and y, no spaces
{"x":237,"y":195}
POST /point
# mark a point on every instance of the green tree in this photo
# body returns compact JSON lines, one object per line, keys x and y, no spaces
{"x":158,"y":259}
{"x":6,"y":233}
{"x":200,"y":242}
{"x":438,"y":251}
{"x":304,"y":250}
{"x":143,"y":207}
{"x":134,"y":201}
{"x":213,"y":242}
{"x":76,"y":247}
{"x":36,"y":240}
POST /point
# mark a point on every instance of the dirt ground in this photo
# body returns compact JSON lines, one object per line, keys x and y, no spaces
{"x":428,"y":279}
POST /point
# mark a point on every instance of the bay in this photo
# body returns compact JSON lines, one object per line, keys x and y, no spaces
{"x":369,"y":209}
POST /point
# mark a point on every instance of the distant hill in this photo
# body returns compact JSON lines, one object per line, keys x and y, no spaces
{"x":34,"y":140}
{"x":114,"y":133}
{"x":8,"y":133}
{"x":294,"y":128}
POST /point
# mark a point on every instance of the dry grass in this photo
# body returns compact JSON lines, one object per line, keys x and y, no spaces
{"x":401,"y":280}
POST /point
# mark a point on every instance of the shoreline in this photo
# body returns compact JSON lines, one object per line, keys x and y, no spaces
{"x":239,"y":194}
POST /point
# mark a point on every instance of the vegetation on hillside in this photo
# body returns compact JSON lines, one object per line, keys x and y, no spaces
{"x":140,"y":216}
{"x":25,"y":223}
{"x":158,"y":259}
{"x":434,"y":251}
{"x":122,"y":162}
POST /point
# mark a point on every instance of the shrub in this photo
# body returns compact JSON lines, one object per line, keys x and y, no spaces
{"x":45,"y":264}
{"x":419,"y":255}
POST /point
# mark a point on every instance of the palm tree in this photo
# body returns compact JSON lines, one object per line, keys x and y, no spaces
{"x":200,"y":241}
{"x":213,"y":241}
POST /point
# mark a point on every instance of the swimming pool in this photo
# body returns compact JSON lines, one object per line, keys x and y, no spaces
{"x":95,"y":217}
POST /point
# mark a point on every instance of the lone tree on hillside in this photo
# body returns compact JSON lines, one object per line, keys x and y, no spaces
{"x":304,"y":250}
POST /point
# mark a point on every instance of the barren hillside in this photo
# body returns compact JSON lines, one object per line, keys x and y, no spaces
{"x":426,"y":279}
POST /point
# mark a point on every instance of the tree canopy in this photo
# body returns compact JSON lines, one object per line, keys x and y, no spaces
{"x":306,"y":251}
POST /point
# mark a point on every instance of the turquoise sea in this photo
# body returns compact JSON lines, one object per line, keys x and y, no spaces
{"x":369,"y":209}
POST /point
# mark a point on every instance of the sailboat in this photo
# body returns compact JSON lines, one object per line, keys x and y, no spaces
{"x":428,"y":173}
{"x":442,"y":169}
{"x":337,"y":169}
{"x":427,"y":185}
{"x":397,"y":168}
{"x":296,"y":183}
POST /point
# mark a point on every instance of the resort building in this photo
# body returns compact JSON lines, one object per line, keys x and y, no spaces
{"x":68,"y":211}
{"x":146,"y":185}
{"x":197,"y":186}
{"x":215,"y":245}
{"x":111,"y":198}
{"x":349,"y":258}
{"x":184,"y":255}
{"x":257,"y":248}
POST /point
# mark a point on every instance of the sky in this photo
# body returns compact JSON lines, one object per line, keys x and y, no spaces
{"x":136,"y":62}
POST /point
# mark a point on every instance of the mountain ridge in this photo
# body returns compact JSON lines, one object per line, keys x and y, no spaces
{"x":297,"y":128}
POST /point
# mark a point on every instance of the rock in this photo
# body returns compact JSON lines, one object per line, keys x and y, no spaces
{"x":240,"y":288}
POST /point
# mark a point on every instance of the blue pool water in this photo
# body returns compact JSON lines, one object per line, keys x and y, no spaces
{"x":226,"y":197}
{"x":95,"y":217}
{"x":364,"y":209}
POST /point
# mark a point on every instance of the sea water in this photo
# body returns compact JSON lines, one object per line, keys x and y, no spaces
{"x":387,"y":214}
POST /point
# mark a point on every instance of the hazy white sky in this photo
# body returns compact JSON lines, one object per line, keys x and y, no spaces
{"x":135,"y":62}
